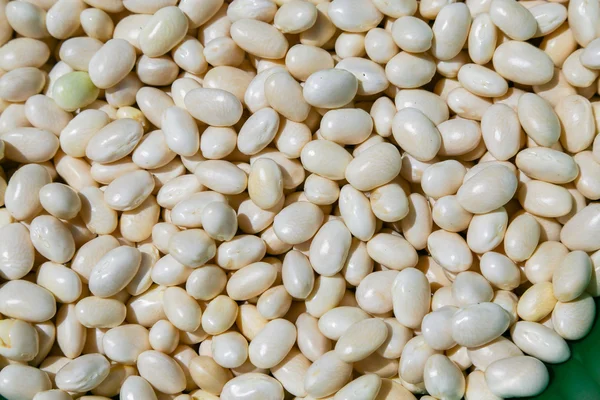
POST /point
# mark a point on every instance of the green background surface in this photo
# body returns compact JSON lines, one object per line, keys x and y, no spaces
{"x":578,"y":378}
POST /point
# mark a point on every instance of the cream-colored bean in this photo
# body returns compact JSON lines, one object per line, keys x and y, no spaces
{"x":413,"y":359}
{"x":266,"y":352}
{"x":542,"y":263}
{"x":78,"y":132}
{"x":380,"y":46}
{"x":346,"y":126}
{"x":70,"y":333}
{"x":352,"y":346}
{"x":320,"y":190}
{"x":410,"y":309}
{"x":572,"y":276}
{"x":295,"y":17}
{"x":21,"y":83}
{"x":230,"y":349}
{"x":114,"y":141}
{"x":129,"y":191}
{"x":576,"y":73}
{"x":471,"y":288}
{"x":517,"y":376}
{"x":449,"y":38}
{"x":428,"y":103}
{"x":578,"y":232}
{"x":547,"y":165}
{"x":192,"y":247}
{"x":13,"y":117}
{"x":522,"y":63}
{"x":125,"y":343}
{"x":54,"y":394}
{"x":303,"y":60}
{"x":478,"y":324}
{"x":407,"y":70}
{"x":274,"y":302}
{"x":392,"y":251}
{"x":221,"y":176}
{"x":21,"y":342}
{"x":436,"y":328}
{"x":549,"y":17}
{"x":219,"y":315}
{"x":412,"y":34}
{"x":259,"y":38}
{"x":97,"y":24}
{"x":297,"y":274}
{"x":416,"y":134}
{"x":537,"y":302}
{"x":240,"y":252}
{"x":89,"y":254}
{"x":325,"y":158}
{"x":574,"y":320}
{"x":61,"y":281}
{"x":219,"y":51}
{"x":486,"y":231}
{"x":83,"y":373}
{"x":521,"y":238}
{"x":215,"y":107}
{"x":501,"y":131}
{"x":216,"y":143}
{"x":586,"y":182}
{"x":52,"y":239}
{"x":161,"y":371}
{"x":374,"y":167}
{"x":257,"y":9}
{"x":19,"y":145}
{"x":498,"y":349}
{"x":96,"y":312}
{"x":284,"y":94}
{"x":219,"y":221}
{"x":356,"y":213}
{"x":23,"y":52}
{"x":259,"y":130}
{"x":443,"y":378}
{"x":547,"y":346}
{"x":153,"y":151}
{"x":43,"y":113}
{"x":329,"y":248}
{"x":500,"y":271}
{"x":251,"y":280}
{"x":254,"y":386}
{"x":545,"y":199}
{"x":327,"y":375}
{"x":442,"y":178}
{"x":114,"y":271}
{"x":497,"y":181}
{"x":327,"y":293}
{"x":476,"y":388}
{"x":450,"y":250}
{"x":17,"y":251}
{"x":136,"y":387}
{"x":482,"y":39}
{"x":181,"y":309}
{"x":581,"y":16}
{"x":147,"y":308}
{"x":330,"y":88}
{"x":22,"y":381}
{"x":336,"y":322}
{"x":513,"y":19}
{"x":466,"y":104}
{"x":293,"y":230}
{"x":482,"y":81}
{"x":111,"y":64}
{"x":188,"y":211}
{"x":449,"y":215}
{"x":26,"y":19}
{"x":21,"y":196}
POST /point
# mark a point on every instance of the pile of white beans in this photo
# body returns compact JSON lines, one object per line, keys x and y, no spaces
{"x":296,"y":199}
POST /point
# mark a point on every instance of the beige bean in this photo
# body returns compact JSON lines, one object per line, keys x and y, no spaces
{"x":499,"y":193}
{"x":537,"y":302}
{"x":547,"y":165}
{"x":392,"y":251}
{"x":215,"y":107}
{"x":466,"y":104}
{"x":254,"y":385}
{"x":327,"y":375}
{"x":513,"y":19}
{"x":410,"y":310}
{"x":443,"y":378}
{"x":500,"y":271}
{"x":265,"y":41}
{"x":356,"y":213}
{"x":501,"y":131}
{"x":21,"y":83}
{"x":482,"y":39}
{"x":116,"y":53}
{"x":416,"y":134}
{"x":23,"y":52}
{"x":26,"y":19}
{"x":522,"y":63}
{"x":572,"y":276}
{"x":545,"y":199}
{"x":437,"y":328}
{"x":374,"y":292}
{"x":548,"y":346}
{"x":161,"y":371}
{"x":413,"y":359}
{"x":17,"y":251}
{"x":251,"y":280}
{"x":574,"y":320}
{"x":482,"y":81}
{"x":292,"y":230}
{"x":61,"y":281}
{"x":52,"y":239}
{"x":93,"y":366}
{"x":450,"y":250}
{"x":449,"y":215}
{"x":97,"y":24}
{"x":448,"y":39}
{"x":478,"y":324}
{"x":327,"y":293}
{"x":114,"y":271}
{"x":330,"y":88}
{"x":428,"y":103}
{"x":517,"y":376}
{"x":23,"y":381}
